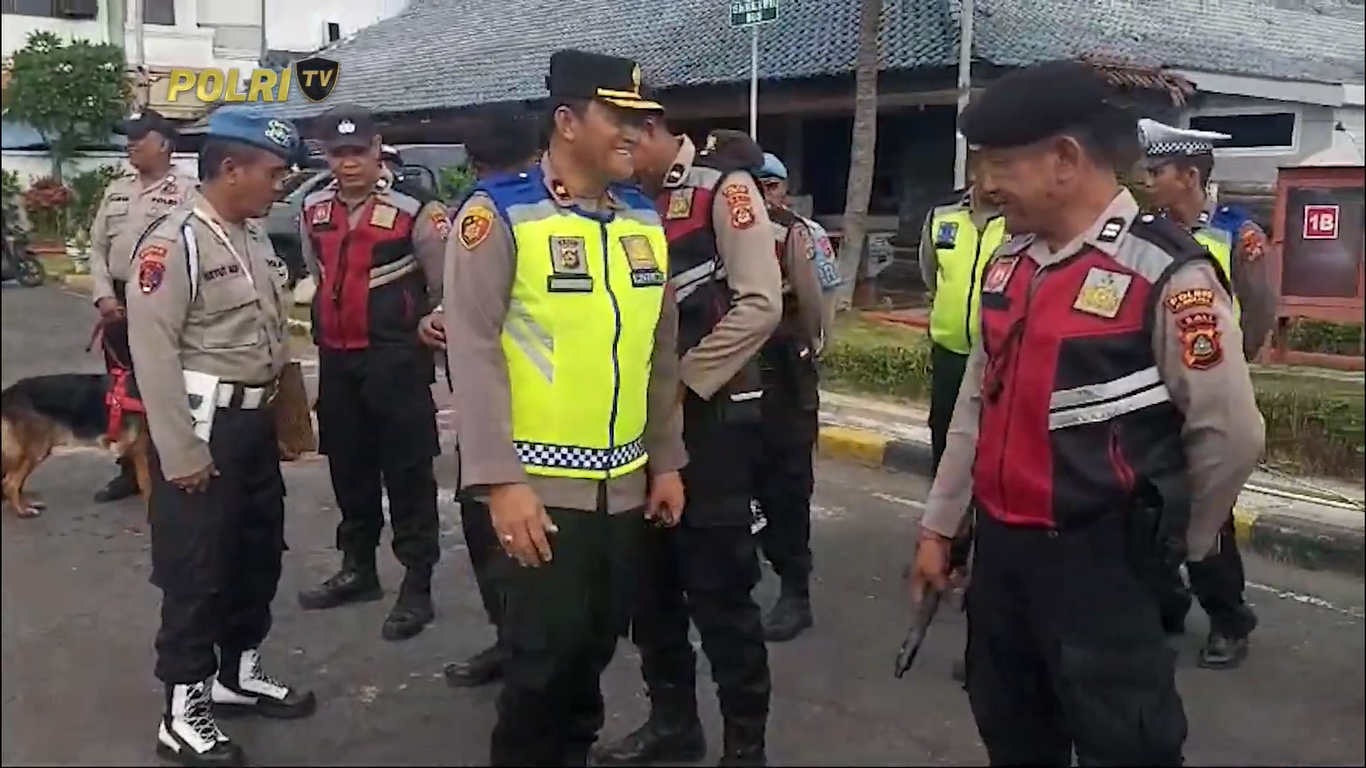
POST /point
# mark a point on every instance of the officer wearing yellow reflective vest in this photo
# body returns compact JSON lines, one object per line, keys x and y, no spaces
{"x":958,"y":239}
{"x":1178,"y":165}
{"x":562,"y":336}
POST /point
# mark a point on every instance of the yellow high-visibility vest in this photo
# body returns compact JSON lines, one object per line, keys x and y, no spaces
{"x":580,"y":329}
{"x":962,"y":254}
{"x":1220,"y":245}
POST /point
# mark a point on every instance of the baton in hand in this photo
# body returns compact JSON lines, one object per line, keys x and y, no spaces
{"x":910,"y":647}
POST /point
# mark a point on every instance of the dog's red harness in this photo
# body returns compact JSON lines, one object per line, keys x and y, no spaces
{"x":116,"y":400}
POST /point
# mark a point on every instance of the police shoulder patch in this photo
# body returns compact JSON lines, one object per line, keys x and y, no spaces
{"x":1201,"y":341}
{"x":440,"y":223}
{"x":1190,"y":298}
{"x":741,"y":205}
{"x":151,"y":267}
{"x":1251,"y":242}
{"x":475,"y":226}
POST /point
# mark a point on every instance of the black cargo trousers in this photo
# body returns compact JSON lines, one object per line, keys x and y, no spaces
{"x":1218,"y":582}
{"x":560,"y":624}
{"x":377,"y":427}
{"x":784,"y":475}
{"x":476,"y":523}
{"x":703,"y":571}
{"x":216,"y":555}
{"x":1066,"y":650}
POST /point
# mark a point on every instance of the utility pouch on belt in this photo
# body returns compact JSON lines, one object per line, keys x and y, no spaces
{"x":741,"y":400}
{"x":1156,"y":531}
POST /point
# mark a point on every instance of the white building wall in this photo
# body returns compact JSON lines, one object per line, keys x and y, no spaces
{"x":15,"y":30}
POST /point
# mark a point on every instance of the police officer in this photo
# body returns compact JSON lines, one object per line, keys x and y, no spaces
{"x":504,"y":142}
{"x":562,"y":333}
{"x":784,"y":476}
{"x":1178,"y":164}
{"x":772,"y":177}
{"x":960,"y":234}
{"x":729,"y":290}
{"x":1116,"y":432}
{"x":376,"y":254}
{"x":130,"y":204}
{"x":207,"y":326}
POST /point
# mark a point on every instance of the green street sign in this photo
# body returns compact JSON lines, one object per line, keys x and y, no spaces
{"x":747,"y":13}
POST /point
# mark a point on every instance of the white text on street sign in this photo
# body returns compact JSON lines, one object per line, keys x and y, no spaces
{"x":747,"y":13}
{"x":1321,"y":222}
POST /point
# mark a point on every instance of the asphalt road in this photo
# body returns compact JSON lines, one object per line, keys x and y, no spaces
{"x":79,"y":617}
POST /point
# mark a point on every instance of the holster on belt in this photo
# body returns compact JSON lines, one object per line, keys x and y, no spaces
{"x":1156,"y":524}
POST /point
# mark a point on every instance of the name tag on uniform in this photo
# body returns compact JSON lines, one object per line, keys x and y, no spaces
{"x":645,"y":271}
{"x":383,"y":216}
{"x":1103,"y":293}
{"x":223,"y":271}
{"x":946,"y":236}
{"x":680,"y":204}
{"x":569,"y":265}
{"x":998,"y":274}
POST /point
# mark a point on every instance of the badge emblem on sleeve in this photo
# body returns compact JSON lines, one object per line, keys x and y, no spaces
{"x":383,"y":216}
{"x":1102,"y":293}
{"x":680,"y":205}
{"x":998,"y":274}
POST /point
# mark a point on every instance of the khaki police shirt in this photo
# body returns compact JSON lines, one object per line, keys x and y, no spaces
{"x":979,"y":214}
{"x":1223,"y":433}
{"x":429,"y":234}
{"x":744,"y":241}
{"x":1250,"y":275}
{"x":125,"y":212}
{"x":478,"y":293}
{"x":798,"y":253}
{"x":235,"y":329}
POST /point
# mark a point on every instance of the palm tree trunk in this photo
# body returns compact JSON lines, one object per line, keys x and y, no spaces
{"x":863,"y":146}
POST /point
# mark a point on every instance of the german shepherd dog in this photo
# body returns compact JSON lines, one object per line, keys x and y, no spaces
{"x":44,"y":412}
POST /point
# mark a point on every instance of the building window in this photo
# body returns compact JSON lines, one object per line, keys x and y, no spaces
{"x":1273,"y":130}
{"x":332,"y":32}
{"x":161,"y":12}
{"x":30,"y":7}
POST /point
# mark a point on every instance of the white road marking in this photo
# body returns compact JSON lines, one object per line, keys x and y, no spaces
{"x":912,"y":503}
{"x":1316,"y":602}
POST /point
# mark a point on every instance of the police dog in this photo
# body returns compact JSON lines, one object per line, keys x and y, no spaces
{"x":41,"y":413}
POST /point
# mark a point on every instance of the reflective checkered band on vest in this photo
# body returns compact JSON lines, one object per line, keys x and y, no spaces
{"x":1188,"y":148}
{"x":573,"y":457}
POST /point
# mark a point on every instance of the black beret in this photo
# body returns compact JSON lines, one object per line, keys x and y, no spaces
{"x":734,"y":149}
{"x":1037,"y":102}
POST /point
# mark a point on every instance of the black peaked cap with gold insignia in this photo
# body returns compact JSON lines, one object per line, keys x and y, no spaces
{"x":610,"y":79}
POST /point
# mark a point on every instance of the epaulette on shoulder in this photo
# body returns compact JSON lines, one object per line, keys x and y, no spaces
{"x":1166,"y":234}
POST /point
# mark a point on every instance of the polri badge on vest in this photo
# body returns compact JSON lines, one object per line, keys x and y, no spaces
{"x":640,"y":255}
{"x":947,"y":234}
{"x":569,"y":266}
{"x":1102,"y":293}
{"x":998,"y":275}
{"x":680,"y":204}
{"x":383,"y":216}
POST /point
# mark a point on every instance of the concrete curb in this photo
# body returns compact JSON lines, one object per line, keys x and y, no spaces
{"x":1295,"y":541}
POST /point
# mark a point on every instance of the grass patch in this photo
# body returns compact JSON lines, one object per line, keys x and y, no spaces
{"x":1315,"y":425}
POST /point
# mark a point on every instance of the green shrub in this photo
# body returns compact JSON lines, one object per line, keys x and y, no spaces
{"x":87,"y":190}
{"x":1325,"y":337}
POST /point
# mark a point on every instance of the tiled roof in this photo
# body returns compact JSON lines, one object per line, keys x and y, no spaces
{"x":450,"y":53}
{"x":1245,"y":37}
{"x":469,"y":55}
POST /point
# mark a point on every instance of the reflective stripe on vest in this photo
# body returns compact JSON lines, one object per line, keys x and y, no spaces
{"x":1220,"y":245}
{"x":962,"y":256}
{"x":579,"y":333}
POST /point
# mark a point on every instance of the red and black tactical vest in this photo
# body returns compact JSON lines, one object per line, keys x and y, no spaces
{"x":1076,"y":422}
{"x":372,"y":290}
{"x":696,"y":273}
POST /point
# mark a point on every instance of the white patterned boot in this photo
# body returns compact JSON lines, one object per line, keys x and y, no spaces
{"x":241,"y":688}
{"x":189,"y":735}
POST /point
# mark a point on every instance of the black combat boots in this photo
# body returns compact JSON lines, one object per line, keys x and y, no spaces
{"x":672,"y":734}
{"x":744,"y":742}
{"x":124,"y":486}
{"x":412,"y":611}
{"x":356,"y":582}
{"x":791,"y":615}
{"x":480,"y":669}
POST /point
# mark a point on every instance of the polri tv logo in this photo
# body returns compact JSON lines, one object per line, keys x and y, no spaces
{"x":316,"y":77}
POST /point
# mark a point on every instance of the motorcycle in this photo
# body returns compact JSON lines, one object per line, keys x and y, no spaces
{"x":20,"y":265}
